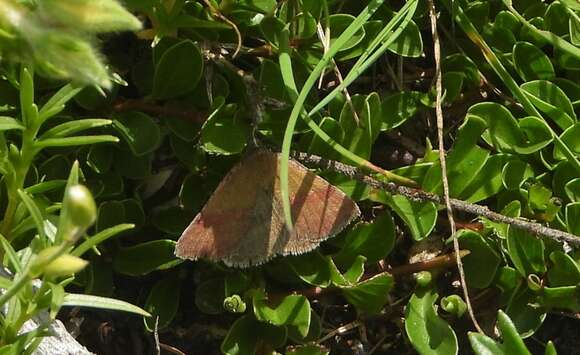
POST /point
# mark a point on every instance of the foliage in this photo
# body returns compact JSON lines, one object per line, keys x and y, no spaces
{"x":182,"y":100}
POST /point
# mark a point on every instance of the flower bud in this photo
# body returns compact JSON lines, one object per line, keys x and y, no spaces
{"x":63,"y":265}
{"x":234,"y":304}
{"x":89,"y":15}
{"x":80,"y":206}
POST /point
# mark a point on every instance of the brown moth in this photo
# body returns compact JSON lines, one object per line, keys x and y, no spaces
{"x":242,"y":223}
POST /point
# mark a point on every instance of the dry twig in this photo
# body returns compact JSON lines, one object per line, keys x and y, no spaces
{"x":445,"y":181}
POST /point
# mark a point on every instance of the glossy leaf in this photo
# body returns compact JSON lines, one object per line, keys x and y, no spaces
{"x":550,"y":99}
{"x":428,"y":333}
{"x":481,"y":253}
{"x":247,"y":335}
{"x":374,"y":241}
{"x":573,"y":218}
{"x":463,"y":162}
{"x":370,"y":295}
{"x":78,"y":300}
{"x":178,"y":71}
{"x":292,"y":311}
{"x":420,"y":217}
{"x":139,"y":131}
{"x":531,"y":63}
{"x":526,"y":251}
{"x":565,"y":271}
{"x":162,"y":302}
{"x":144,"y":258}
{"x":512,"y":343}
{"x":225,"y":132}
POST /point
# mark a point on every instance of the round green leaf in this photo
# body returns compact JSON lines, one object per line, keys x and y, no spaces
{"x":370,"y":295}
{"x":292,"y":311}
{"x":144,"y":258}
{"x":481,"y":253}
{"x":515,"y":173}
{"x":550,"y":99}
{"x":429,"y":334}
{"x":162,"y":302}
{"x":372,"y":240}
{"x":140,"y":132}
{"x":225,"y":131}
{"x":573,"y":190}
{"x":338,"y":23}
{"x":573,"y":218}
{"x":210,"y":295}
{"x":531,"y":63}
{"x":565,"y":271}
{"x":178,"y":71}
{"x":571,"y":138}
{"x":247,"y":335}
{"x":409,"y":42}
{"x":526,"y":251}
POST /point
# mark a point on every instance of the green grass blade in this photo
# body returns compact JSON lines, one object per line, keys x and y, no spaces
{"x":74,"y":299}
{"x":285,"y":64}
{"x":371,"y":54}
{"x":100,"y":237}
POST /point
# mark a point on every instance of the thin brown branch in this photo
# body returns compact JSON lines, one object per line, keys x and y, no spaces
{"x":443,"y":163}
{"x":435,"y":263}
{"x":419,"y":195}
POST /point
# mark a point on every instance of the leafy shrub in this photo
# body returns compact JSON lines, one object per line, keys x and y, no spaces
{"x":188,"y":95}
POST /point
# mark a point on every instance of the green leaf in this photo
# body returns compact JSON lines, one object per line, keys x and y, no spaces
{"x":525,"y":312}
{"x":573,"y":218}
{"x":225,"y":131}
{"x":57,"y":102}
{"x":35,"y":213}
{"x":318,"y":146}
{"x":139,"y":130}
{"x":209,"y":296}
{"x":565,"y":271}
{"x":464,"y":161}
{"x":429,"y":334}
{"x":515,"y":173}
{"x":420,"y":217}
{"x":503,"y":131}
{"x":569,"y":138}
{"x":162,"y":302}
{"x":538,"y":135}
{"x":172,"y":220}
{"x":247,"y":335}
{"x":512,"y":343}
{"x":338,"y":24}
{"x":572,"y":188}
{"x":144,"y":258}
{"x":74,"y":141}
{"x":312,"y":268}
{"x":481,"y":253}
{"x":550,"y":99}
{"x":178,"y":70}
{"x":100,"y":238}
{"x":89,"y":301}
{"x":409,"y":42}
{"x":526,"y":251}
{"x":369,"y":296}
{"x":398,"y":108}
{"x":72,"y":127}
{"x":372,"y":240}
{"x":531,"y":63}
{"x":8,"y":123}
{"x":292,"y":311}
{"x":488,"y":182}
